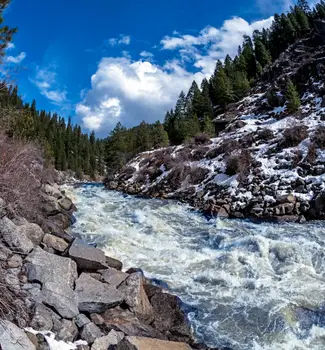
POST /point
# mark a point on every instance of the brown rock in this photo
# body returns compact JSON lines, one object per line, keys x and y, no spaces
{"x":141,"y":343}
{"x":56,"y":243}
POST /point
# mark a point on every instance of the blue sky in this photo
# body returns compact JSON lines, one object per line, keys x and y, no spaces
{"x":104,"y":61}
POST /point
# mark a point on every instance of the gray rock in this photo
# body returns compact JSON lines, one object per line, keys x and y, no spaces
{"x":42,"y":319}
{"x":135,"y":296}
{"x":113,"y":263}
{"x":33,"y":232}
{"x":81,"y":320}
{"x":15,"y":238}
{"x":14,"y":338}
{"x":141,"y":343}
{"x":15,"y":261}
{"x":102,"y":343}
{"x":53,"y":190}
{"x":68,"y":331}
{"x":94,"y":296}
{"x":62,"y":298}
{"x":3,"y":208}
{"x":87,"y":257}
{"x":90,"y":333}
{"x":65,"y":203}
{"x":45,"y":267}
{"x":56,"y":243}
{"x":113,"y":277}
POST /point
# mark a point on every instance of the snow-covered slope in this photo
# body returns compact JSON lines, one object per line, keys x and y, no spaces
{"x":267,"y":163}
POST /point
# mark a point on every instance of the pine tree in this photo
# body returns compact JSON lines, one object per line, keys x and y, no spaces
{"x":303,"y":5}
{"x":262,"y":55}
{"x":240,"y":85}
{"x":292,"y":96}
{"x":208,"y":127}
{"x":223,"y":89}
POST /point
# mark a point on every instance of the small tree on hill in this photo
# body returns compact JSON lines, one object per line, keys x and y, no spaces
{"x":292,"y":96}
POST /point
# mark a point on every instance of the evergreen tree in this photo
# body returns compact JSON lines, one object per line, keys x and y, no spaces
{"x":240,"y":85}
{"x":223,"y":89}
{"x":303,"y":5}
{"x":208,"y":127}
{"x":293,"y":99}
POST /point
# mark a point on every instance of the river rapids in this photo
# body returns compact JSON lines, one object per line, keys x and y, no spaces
{"x":245,"y":285}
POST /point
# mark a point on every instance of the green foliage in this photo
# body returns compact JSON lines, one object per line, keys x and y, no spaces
{"x":293,"y":99}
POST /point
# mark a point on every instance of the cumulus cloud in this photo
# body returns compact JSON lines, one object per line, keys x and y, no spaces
{"x":121,"y":40}
{"x":46,"y":81}
{"x":128,"y":91}
{"x":16,"y":59}
{"x":10,"y":46}
{"x":131,"y":91}
{"x":213,"y":43}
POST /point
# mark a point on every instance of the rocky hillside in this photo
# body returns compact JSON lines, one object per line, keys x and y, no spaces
{"x":266,"y":162}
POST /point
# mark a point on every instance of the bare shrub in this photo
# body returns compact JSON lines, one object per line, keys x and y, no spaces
{"x":311,"y":154}
{"x":22,"y":174}
{"x":239,"y":164}
{"x":183,"y":155}
{"x":178,"y":175}
{"x":202,"y":139}
{"x":293,"y":136}
{"x":226,"y":147}
{"x":199,"y":153}
{"x":12,"y":306}
{"x":319,"y":137}
{"x":247,"y":140}
{"x":265,"y":134}
{"x":198,"y":175}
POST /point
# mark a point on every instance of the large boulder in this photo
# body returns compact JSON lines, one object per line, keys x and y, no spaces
{"x":87,"y":257}
{"x":141,"y":343}
{"x":33,"y":232}
{"x":15,"y":237}
{"x":14,"y":338}
{"x":90,"y":332}
{"x":135,"y":296}
{"x":65,"y":203}
{"x":95,"y":296}
{"x":128,"y":323}
{"x":103,"y":343}
{"x":44,"y":267}
{"x":113,"y":277}
{"x":56,"y":243}
{"x":42,"y":319}
{"x":62,"y":298}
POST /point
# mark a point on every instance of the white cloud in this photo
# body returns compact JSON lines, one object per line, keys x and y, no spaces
{"x":271,"y":7}
{"x":46,"y":81}
{"x":10,"y":46}
{"x":146,"y":54}
{"x":129,"y":92}
{"x":121,"y":40}
{"x":16,"y":59}
{"x":212,"y":43}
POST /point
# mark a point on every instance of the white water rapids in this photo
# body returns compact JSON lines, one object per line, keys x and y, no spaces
{"x":245,"y":285}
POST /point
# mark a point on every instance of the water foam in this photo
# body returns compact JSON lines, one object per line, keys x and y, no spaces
{"x":249,"y":285}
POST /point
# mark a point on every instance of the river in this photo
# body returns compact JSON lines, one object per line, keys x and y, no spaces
{"x":245,"y":285}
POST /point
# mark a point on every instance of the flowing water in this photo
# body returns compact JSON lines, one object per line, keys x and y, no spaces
{"x":245,"y":285}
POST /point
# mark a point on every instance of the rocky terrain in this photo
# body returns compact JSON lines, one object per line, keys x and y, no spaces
{"x":265,"y":162}
{"x":58,"y":292}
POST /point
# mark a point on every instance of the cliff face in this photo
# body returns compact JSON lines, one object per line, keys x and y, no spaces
{"x":267,"y":162}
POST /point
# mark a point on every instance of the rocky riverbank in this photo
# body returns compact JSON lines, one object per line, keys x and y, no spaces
{"x":58,"y":292}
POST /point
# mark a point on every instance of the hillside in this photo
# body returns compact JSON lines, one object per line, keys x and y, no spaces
{"x":266,"y":163}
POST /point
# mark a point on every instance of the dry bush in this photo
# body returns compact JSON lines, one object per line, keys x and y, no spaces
{"x":198,"y":175}
{"x":293,"y":136}
{"x":319,"y":137}
{"x":202,"y":139}
{"x":226,"y":147}
{"x":239,"y":164}
{"x":311,"y":154}
{"x":199,"y":153}
{"x":22,"y":173}
{"x":265,"y":134}
{"x":12,"y":306}
{"x":183,"y":155}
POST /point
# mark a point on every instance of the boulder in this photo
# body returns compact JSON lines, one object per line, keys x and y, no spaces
{"x":44,"y":267}
{"x":15,"y":261}
{"x":141,"y":343}
{"x":14,"y":338}
{"x":90,"y":332}
{"x":113,"y":277}
{"x":103,"y":343}
{"x":81,"y":320}
{"x":33,"y":232}
{"x":114,"y":263}
{"x":68,"y":331}
{"x":14,"y":237}
{"x":65,"y":203}
{"x":53,"y":190}
{"x":87,"y":257}
{"x":135,"y":296}
{"x":62,"y":298}
{"x":126,"y":322}
{"x":56,"y":243}
{"x":94,"y":296}
{"x":42,"y":319}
